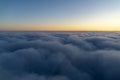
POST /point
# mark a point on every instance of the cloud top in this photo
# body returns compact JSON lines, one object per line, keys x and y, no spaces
{"x":59,"y":56}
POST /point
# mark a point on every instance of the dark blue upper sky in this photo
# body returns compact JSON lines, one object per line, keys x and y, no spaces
{"x":56,"y":12}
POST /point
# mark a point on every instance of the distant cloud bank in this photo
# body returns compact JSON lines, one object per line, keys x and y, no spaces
{"x":59,"y":56}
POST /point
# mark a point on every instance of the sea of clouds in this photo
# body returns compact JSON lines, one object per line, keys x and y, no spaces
{"x":59,"y":56}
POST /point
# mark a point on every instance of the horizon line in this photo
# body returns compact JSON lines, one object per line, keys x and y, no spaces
{"x":59,"y":30}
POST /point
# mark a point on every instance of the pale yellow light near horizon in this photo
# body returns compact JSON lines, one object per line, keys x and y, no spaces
{"x":66,"y":28}
{"x":106,"y":19}
{"x":99,"y":22}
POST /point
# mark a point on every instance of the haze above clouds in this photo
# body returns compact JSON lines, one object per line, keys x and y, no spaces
{"x":60,"y":15}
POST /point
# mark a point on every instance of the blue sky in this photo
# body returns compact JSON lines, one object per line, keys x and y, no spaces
{"x":47,"y":13}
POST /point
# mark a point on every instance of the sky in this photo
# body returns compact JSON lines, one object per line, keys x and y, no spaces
{"x":78,"y":15}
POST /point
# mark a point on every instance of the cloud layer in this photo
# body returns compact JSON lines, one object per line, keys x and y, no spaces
{"x":59,"y":56}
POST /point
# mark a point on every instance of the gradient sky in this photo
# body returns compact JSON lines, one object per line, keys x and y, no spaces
{"x":60,"y":15}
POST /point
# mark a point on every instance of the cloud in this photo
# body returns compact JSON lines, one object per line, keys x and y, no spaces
{"x":59,"y":56}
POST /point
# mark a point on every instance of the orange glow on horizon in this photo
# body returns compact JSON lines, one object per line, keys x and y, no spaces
{"x":63,"y":28}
